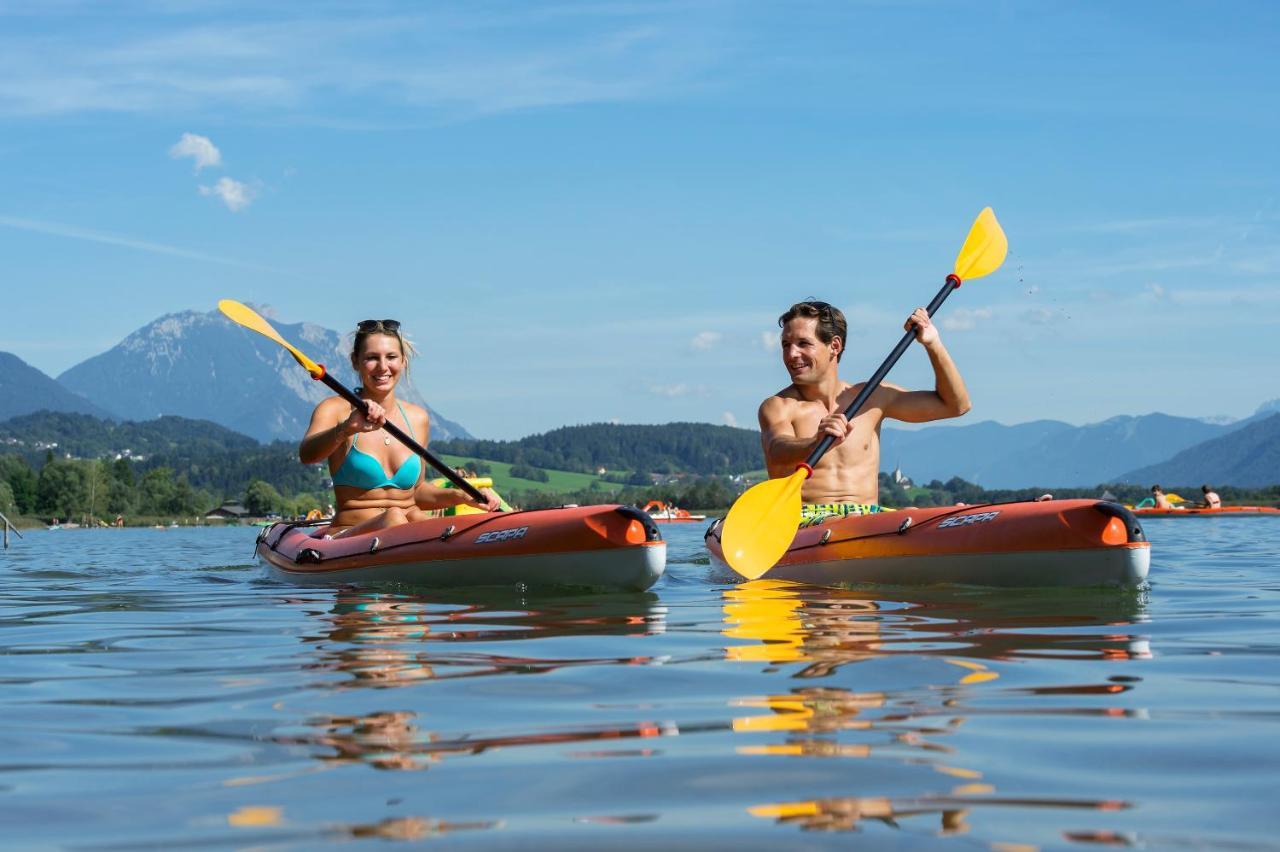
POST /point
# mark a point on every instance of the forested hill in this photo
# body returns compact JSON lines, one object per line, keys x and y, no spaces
{"x":700,"y":448}
{"x":207,"y":456}
{"x":85,"y":436}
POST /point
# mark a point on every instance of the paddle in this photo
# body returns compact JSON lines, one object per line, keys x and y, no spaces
{"x":762,"y":522}
{"x":249,"y":318}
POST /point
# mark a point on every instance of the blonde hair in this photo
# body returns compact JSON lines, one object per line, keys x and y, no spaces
{"x":389,"y":328}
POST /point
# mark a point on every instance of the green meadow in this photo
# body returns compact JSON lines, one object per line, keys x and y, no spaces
{"x":559,"y":481}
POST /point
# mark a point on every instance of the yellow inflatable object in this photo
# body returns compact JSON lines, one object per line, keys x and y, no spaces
{"x":478,"y":482}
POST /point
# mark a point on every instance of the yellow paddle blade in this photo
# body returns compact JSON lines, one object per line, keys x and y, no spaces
{"x":249,"y":318}
{"x":761,"y":525}
{"x":984,"y":249}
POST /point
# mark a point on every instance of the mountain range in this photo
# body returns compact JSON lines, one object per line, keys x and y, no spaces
{"x":200,"y":366}
{"x":1049,"y":453}
{"x":24,"y":389}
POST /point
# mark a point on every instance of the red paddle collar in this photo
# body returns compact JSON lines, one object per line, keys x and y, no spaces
{"x":955,"y":280}
{"x":808,"y":470}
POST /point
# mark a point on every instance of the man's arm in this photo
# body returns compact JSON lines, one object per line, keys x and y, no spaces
{"x":949,"y":398}
{"x":783,"y":448}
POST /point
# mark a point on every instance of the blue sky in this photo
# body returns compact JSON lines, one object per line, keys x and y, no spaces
{"x":596,"y":211}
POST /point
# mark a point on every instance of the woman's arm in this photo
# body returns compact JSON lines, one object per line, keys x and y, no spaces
{"x":332,"y":423}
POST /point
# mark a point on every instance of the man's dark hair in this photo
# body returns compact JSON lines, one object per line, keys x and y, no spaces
{"x":831,"y":322}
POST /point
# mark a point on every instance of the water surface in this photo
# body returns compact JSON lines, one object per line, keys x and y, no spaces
{"x":158,"y":691}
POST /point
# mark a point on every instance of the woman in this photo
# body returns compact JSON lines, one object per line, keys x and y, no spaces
{"x":360,"y":451}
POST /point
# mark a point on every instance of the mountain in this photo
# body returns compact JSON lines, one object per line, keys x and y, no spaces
{"x":975,"y":453}
{"x":24,"y":389}
{"x":202,"y":366}
{"x":1044,"y":453}
{"x":1248,"y":457}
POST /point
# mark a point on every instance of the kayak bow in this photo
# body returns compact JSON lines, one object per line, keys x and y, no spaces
{"x":1049,"y":543}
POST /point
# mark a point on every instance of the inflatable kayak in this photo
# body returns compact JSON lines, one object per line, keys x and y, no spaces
{"x":1224,"y":511}
{"x":1050,"y":543}
{"x":606,"y":547}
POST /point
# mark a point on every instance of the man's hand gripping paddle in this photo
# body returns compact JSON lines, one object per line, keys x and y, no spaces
{"x":247,"y":317}
{"x":762,"y":523}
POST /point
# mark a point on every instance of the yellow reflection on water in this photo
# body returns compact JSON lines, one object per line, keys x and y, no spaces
{"x":256,"y":816}
{"x":814,"y":632}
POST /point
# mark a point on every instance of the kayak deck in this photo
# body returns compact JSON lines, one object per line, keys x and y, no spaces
{"x":1027,"y":544}
{"x":604,"y":547}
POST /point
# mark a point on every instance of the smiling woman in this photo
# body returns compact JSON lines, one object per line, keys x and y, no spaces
{"x":367,"y":496}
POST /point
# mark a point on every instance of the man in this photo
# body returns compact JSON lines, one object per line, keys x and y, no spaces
{"x":1161,"y":501}
{"x":796,"y":418}
{"x":1211,"y":498}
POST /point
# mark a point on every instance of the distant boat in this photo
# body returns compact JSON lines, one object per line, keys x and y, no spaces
{"x":664,"y":514}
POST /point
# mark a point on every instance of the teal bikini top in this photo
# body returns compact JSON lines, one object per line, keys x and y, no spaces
{"x":363,"y":471}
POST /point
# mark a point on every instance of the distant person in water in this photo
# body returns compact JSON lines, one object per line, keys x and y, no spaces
{"x":1161,"y":501}
{"x":796,"y":418}
{"x":1211,"y":498}
{"x":367,"y":496}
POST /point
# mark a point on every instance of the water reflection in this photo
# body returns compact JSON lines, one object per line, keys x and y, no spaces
{"x":381,"y":640}
{"x":810,"y":633}
{"x":386,"y":641}
{"x":951,"y":811}
{"x":829,"y":628}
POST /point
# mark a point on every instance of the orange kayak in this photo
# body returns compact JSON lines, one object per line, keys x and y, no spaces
{"x":605,"y":547}
{"x":1050,"y":543}
{"x":1224,"y":511}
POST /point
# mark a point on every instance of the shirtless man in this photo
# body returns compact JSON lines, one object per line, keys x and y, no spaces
{"x":796,"y":418}
{"x":1158,"y":496}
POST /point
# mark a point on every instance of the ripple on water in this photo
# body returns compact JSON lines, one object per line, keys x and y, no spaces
{"x":158,"y":691}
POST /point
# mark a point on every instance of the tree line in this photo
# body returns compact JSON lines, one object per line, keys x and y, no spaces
{"x":101,"y":488}
{"x":698,"y":448}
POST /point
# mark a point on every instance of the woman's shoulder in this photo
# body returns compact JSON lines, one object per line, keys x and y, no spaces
{"x":334,"y":407}
{"x":416,"y":411}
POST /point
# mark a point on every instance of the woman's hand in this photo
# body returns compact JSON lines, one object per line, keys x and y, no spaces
{"x":370,"y":420}
{"x":493,"y":503}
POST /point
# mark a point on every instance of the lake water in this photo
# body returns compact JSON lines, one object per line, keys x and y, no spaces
{"x":157,"y":691}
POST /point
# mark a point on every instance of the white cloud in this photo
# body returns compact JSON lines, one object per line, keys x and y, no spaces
{"x":770,"y":340}
{"x":1156,"y":290}
{"x":198,"y":148}
{"x":1037,"y":316}
{"x":965,"y":319}
{"x":671,"y":391}
{"x":729,"y":419}
{"x":705,"y":339}
{"x":236,"y":195}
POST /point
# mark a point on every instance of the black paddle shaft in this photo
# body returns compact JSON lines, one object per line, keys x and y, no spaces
{"x":350,"y":396}
{"x":876,"y":378}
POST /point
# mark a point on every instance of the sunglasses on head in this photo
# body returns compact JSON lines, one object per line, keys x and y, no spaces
{"x":378,"y":325}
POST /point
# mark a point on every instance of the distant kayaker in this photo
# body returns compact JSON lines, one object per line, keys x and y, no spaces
{"x":796,"y":418}
{"x":1211,"y":498}
{"x":1161,"y":501}
{"x":368,"y":497}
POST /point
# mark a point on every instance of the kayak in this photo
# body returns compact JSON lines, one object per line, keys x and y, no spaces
{"x":1223,"y":511}
{"x":1039,"y":543}
{"x":664,"y":514}
{"x":604,"y":547}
